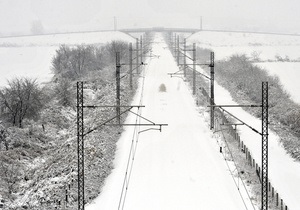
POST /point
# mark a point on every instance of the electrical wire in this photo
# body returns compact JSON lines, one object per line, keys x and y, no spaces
{"x":132,"y":152}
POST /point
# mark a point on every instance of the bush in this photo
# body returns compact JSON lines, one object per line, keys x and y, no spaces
{"x":21,"y":99}
{"x":73,"y":63}
{"x":64,"y":92}
{"x":240,"y":76}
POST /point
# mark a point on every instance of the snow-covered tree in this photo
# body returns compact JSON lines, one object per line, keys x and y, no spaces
{"x":22,"y":98}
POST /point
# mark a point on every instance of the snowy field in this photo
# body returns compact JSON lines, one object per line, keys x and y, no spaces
{"x":178,"y":168}
{"x":267,"y":46}
{"x":32,"y":55}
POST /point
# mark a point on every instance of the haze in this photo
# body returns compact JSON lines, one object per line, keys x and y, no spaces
{"x":18,"y":16}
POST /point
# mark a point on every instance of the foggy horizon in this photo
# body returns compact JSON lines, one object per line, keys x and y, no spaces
{"x":17,"y":17}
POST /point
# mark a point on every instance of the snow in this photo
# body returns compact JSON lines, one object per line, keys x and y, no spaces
{"x":31,"y":56}
{"x":283,"y":170}
{"x":289,"y":74}
{"x":226,"y":44}
{"x":68,"y":39}
{"x":178,"y":168}
{"x":243,"y":39}
{"x":32,"y":62}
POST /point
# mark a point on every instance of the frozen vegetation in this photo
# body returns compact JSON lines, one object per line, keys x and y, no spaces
{"x":39,"y":155}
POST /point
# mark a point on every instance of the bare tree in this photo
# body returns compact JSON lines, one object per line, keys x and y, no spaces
{"x":21,"y":99}
{"x":75,"y":62}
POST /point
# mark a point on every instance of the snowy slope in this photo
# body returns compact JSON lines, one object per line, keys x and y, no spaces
{"x":179,"y":168}
{"x":283,"y":170}
{"x":267,"y":46}
{"x":31,"y":55}
{"x":289,"y":74}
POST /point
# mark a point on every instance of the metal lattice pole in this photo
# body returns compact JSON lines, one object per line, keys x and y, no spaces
{"x":175,"y":44}
{"x":80,"y":148}
{"x":184,"y":58}
{"x":137,"y":55}
{"x":194,"y":68}
{"x":118,"y":67}
{"x":212,"y":90}
{"x":178,"y":50}
{"x":264,"y":190}
{"x":141,"y":47}
{"x":130,"y":66}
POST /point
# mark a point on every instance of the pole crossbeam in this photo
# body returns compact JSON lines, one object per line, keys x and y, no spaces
{"x":239,"y":119}
{"x":251,"y":105}
{"x":197,"y":72}
{"x":112,"y":106}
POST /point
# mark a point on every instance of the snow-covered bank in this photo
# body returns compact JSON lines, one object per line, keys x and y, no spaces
{"x":179,"y":168}
{"x":264,"y":47}
{"x":283,"y":170}
{"x":289,"y":74}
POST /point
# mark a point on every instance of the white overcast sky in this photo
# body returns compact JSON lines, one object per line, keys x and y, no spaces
{"x":16,"y":16}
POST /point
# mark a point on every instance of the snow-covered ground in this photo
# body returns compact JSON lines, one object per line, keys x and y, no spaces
{"x":68,"y":39}
{"x":32,"y":62}
{"x":289,"y":74}
{"x":179,"y":168}
{"x":32,"y":55}
{"x":283,"y":170}
{"x":266,"y":46}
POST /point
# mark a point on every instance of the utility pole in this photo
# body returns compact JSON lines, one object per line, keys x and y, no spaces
{"x":212,"y":95}
{"x":184,"y":57}
{"x":178,"y":50}
{"x":137,"y":55}
{"x":118,"y":66}
{"x":175,"y":45}
{"x":141,"y":47}
{"x":265,"y":123}
{"x":201,"y":23}
{"x":115,"y":23}
{"x":194,"y":68}
{"x":80,"y":146}
{"x":130,"y":66}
